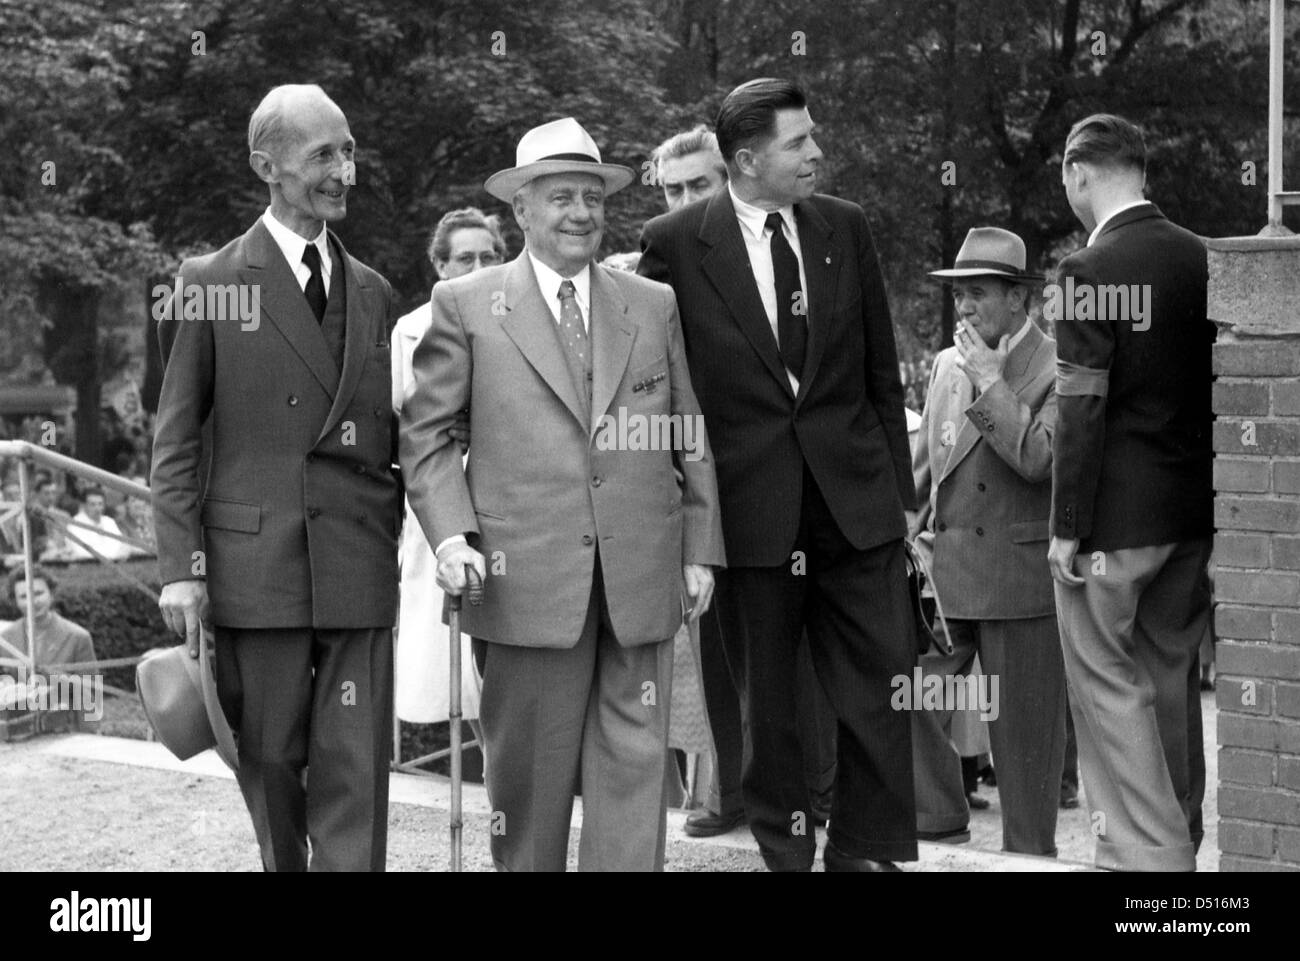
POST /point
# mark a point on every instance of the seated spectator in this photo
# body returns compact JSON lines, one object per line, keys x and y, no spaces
{"x":11,"y":518}
{"x":135,"y":518}
{"x":47,"y":531}
{"x":58,"y":640}
{"x":92,"y":513}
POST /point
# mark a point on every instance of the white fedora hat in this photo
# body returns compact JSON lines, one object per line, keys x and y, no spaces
{"x":561,"y":146}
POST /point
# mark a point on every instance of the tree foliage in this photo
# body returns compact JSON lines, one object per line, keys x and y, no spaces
{"x":143,"y":107}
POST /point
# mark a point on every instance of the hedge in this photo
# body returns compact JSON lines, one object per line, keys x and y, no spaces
{"x":122,"y":620}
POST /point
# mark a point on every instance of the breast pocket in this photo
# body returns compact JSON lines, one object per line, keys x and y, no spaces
{"x":649,"y":381}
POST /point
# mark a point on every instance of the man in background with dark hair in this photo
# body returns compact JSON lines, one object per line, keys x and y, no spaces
{"x":1132,"y":491}
{"x":792,"y":352}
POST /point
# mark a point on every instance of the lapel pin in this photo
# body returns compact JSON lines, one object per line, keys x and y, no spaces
{"x":828,"y":258}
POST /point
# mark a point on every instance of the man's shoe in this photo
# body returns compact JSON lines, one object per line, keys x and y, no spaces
{"x":956,"y":836}
{"x":706,"y":824}
{"x":977,"y":803}
{"x":1069,"y":797}
{"x":836,"y":860}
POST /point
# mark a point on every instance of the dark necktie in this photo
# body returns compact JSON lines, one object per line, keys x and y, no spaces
{"x":791,"y":310}
{"x":315,"y":283}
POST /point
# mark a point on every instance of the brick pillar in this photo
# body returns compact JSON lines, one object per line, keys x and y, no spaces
{"x":1255,"y":300}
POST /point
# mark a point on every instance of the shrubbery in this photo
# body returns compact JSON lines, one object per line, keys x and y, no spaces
{"x":123,"y":621}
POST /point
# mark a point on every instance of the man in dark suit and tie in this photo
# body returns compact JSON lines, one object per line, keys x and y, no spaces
{"x":275,"y":498}
{"x":792,"y":354}
{"x":1132,"y":496}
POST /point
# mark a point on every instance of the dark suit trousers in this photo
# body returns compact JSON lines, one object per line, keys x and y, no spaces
{"x":313,"y":710}
{"x":854,"y":606}
{"x":1130,"y":636}
{"x":723,"y":707}
{"x":1026,"y":731}
{"x":595,"y":713}
{"x":816,"y":720}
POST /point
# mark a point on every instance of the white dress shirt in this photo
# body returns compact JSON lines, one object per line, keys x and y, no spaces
{"x":1092,"y":237}
{"x":292,"y":246}
{"x":1018,"y":336}
{"x":549,"y":282}
{"x":758,"y":242}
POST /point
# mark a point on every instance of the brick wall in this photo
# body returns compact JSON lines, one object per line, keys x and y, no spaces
{"x":1257,"y":594}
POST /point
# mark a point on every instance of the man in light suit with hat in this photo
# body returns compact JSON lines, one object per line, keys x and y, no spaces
{"x":983,"y":468}
{"x":588,"y":502}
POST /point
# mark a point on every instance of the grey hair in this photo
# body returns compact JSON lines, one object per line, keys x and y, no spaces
{"x":700,"y":138}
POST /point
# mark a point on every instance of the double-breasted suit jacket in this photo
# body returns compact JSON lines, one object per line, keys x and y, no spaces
{"x":294,"y":521}
{"x":983,"y":468}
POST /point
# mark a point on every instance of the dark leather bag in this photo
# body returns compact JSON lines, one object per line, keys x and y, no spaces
{"x":924,"y":607}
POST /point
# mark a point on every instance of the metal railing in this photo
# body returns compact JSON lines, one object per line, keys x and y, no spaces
{"x":30,"y":456}
{"x":1278,"y":195}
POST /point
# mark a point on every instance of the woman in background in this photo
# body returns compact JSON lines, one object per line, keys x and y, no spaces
{"x":464,"y":241}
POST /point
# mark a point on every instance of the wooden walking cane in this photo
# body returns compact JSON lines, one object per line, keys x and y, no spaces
{"x":474,"y":588}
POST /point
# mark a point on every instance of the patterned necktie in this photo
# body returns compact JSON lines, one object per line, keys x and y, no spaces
{"x":791,"y":325}
{"x":571,"y":327}
{"x":575,"y":339}
{"x":315,"y":290}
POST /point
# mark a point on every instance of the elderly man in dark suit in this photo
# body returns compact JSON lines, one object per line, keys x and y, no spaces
{"x":792,"y":352}
{"x":983,"y":471}
{"x":1132,"y":498}
{"x":275,"y":499}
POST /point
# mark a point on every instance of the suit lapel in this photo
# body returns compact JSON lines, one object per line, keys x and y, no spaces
{"x":530,"y":324}
{"x":611,"y":341}
{"x":821,"y":267}
{"x":961,"y":394}
{"x":1015,"y":373}
{"x":283,"y":303}
{"x":727,"y":267}
{"x":356,"y":342}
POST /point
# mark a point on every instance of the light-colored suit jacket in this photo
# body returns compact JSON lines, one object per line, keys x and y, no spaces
{"x":983,"y":469}
{"x":541,"y":491}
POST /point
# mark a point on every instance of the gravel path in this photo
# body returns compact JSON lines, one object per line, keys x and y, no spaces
{"x":68,"y":813}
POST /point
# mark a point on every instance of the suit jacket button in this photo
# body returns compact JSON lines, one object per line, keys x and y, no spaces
{"x":313,"y":512}
{"x":588,"y":540}
{"x":979,"y":531}
{"x":595,"y":481}
{"x":293,"y":400}
{"x":310,"y":458}
{"x":361,"y":518}
{"x":980,"y":485}
{"x":379,"y":412}
{"x":943,"y":527}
